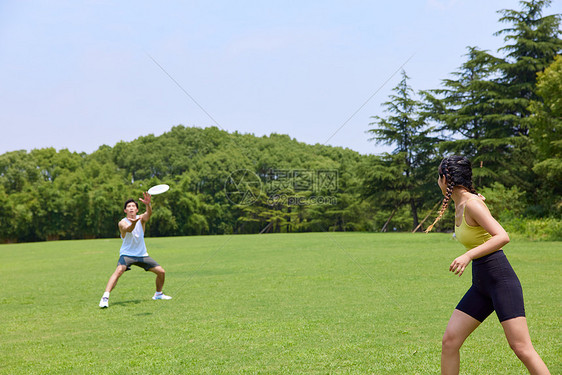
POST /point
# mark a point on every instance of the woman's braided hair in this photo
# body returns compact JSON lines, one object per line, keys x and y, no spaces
{"x":458,"y":172}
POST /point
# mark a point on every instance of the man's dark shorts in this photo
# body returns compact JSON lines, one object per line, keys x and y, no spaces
{"x":144,"y":262}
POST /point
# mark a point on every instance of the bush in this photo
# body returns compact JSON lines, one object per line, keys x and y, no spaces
{"x":500,"y":200}
{"x":546,"y":229}
{"x":509,"y":207}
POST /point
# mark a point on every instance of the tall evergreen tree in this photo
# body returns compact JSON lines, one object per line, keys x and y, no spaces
{"x":469,"y":117}
{"x":484,"y":110}
{"x":467,"y":106}
{"x":404,"y":172}
{"x":532,"y":42}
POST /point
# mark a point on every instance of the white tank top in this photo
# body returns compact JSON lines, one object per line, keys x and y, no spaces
{"x":133,"y":243}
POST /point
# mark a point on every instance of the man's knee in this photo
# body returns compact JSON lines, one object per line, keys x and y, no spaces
{"x":158,"y":270}
{"x":120,"y":270}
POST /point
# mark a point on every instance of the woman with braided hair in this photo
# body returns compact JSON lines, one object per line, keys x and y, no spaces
{"x":495,"y":285}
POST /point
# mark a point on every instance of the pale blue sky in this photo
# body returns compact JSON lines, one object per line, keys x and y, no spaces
{"x":77,"y":74}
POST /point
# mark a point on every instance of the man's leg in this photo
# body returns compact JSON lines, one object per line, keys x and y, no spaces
{"x":113,"y":279}
{"x":160,"y":278}
{"x":104,"y":302}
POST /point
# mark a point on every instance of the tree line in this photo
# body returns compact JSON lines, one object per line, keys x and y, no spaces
{"x":503,"y":112}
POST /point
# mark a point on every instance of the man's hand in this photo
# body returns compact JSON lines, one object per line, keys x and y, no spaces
{"x":146,"y":198}
{"x":125,"y":227}
{"x":134,"y":221}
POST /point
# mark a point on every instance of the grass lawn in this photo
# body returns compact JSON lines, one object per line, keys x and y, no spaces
{"x":314,"y":303}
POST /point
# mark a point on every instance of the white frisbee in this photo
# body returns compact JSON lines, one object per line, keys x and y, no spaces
{"x":158,"y":189}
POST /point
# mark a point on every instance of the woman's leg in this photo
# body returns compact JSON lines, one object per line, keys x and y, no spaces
{"x":460,"y":326}
{"x":517,"y":334}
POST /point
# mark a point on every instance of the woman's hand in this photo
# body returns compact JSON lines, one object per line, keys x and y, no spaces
{"x":458,"y":266}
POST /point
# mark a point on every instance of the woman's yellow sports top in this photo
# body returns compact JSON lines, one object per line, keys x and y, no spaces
{"x":471,"y":236}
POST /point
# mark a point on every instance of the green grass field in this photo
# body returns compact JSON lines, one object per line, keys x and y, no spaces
{"x":316,"y":303}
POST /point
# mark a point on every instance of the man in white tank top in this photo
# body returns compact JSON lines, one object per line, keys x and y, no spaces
{"x":133,"y":250}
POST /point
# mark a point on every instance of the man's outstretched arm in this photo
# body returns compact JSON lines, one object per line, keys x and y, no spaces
{"x":147,"y":201}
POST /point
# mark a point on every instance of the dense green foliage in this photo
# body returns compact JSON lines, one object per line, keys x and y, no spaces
{"x":546,"y":132}
{"x":486,"y":111}
{"x":61,"y":195}
{"x":305,"y":303}
{"x":501,"y":112}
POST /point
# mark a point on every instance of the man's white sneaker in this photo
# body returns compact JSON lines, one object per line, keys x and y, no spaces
{"x":104,"y":302}
{"x":160,"y":296}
